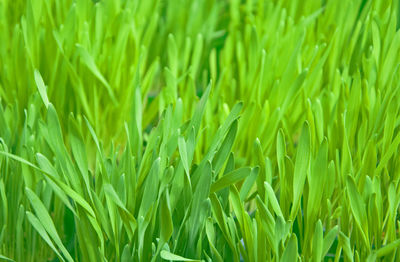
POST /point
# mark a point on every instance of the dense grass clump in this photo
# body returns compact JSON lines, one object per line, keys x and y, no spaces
{"x":199,"y":130}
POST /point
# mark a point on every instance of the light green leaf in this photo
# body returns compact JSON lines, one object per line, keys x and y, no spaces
{"x":272,"y":199}
{"x":329,"y":239}
{"x":42,"y":232}
{"x":88,"y":60}
{"x":230,"y":178}
{"x":318,"y":242}
{"x":357,"y":207}
{"x":169,"y":256}
{"x":223,"y":153}
{"x":45,"y":219}
{"x":41,"y":87}
{"x":167,"y":227}
{"x":301,"y":168}
{"x":290,"y":253}
{"x":183,"y":153}
{"x":6,"y":258}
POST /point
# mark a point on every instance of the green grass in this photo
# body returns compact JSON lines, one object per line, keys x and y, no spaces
{"x":199,"y":130}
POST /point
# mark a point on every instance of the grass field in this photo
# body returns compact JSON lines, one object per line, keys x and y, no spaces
{"x":199,"y":130}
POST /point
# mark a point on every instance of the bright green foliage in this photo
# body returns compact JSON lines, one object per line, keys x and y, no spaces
{"x":199,"y":130}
